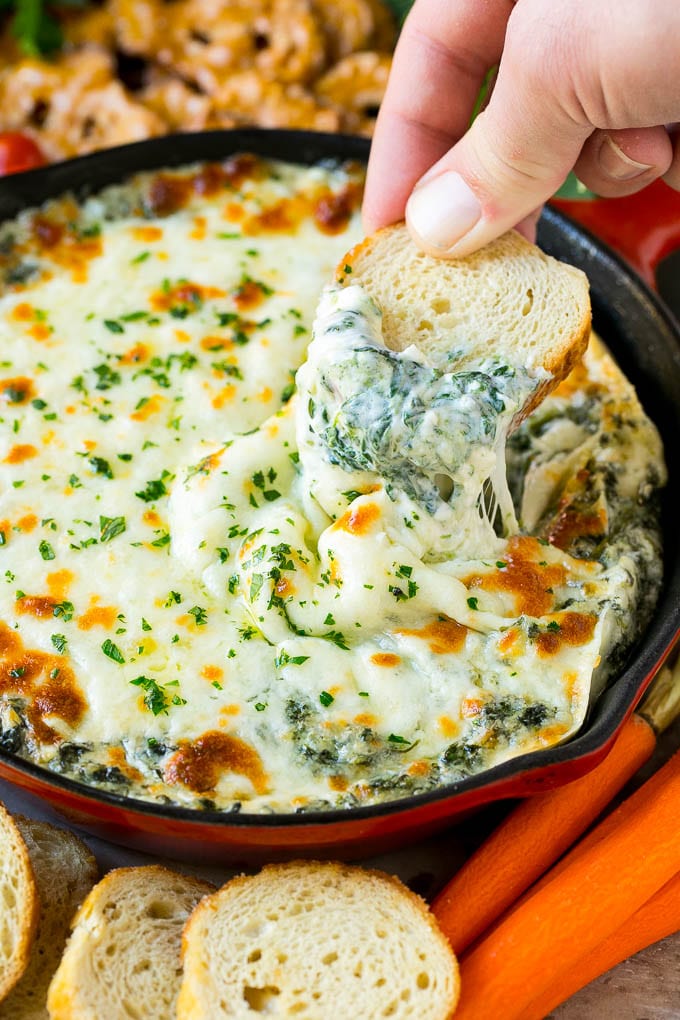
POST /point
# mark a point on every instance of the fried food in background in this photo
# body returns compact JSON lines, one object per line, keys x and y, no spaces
{"x":131,"y":69}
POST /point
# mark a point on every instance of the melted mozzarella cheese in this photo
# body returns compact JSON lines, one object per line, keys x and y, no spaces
{"x":208,"y":602}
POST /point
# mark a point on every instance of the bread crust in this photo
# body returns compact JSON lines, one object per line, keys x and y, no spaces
{"x":138,"y":914}
{"x":343,"y":891}
{"x":23,"y":915}
{"x":65,"y":869}
{"x":381,"y":261}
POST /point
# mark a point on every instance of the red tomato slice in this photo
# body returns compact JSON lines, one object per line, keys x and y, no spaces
{"x":18,"y":152}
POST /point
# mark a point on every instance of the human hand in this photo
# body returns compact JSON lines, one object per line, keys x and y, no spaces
{"x":586,"y":86}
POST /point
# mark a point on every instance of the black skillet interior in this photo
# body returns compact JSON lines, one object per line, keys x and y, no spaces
{"x":631,"y":320}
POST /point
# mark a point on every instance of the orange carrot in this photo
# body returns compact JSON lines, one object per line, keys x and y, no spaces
{"x":532,"y":837}
{"x":594,"y":894}
{"x":543,"y":827}
{"x":657,"y":918}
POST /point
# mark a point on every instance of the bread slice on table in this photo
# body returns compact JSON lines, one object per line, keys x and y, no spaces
{"x":319,"y":940}
{"x":65,"y":870}
{"x":122,"y":961}
{"x":508,"y":298}
{"x":19,"y":904}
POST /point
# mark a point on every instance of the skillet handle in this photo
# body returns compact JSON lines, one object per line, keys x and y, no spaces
{"x":644,"y":227}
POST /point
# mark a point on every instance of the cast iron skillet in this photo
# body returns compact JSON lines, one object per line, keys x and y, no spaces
{"x":645,"y":340}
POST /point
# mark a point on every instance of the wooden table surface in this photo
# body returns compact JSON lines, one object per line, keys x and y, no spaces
{"x":647,"y":987}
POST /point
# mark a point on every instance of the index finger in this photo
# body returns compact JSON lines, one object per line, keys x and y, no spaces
{"x":444,"y":52}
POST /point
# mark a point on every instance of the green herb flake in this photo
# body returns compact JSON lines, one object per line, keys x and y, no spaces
{"x":153,"y":490}
{"x":109,"y":527}
{"x":100,"y":466}
{"x":472,"y":602}
{"x":326,"y":699}
{"x":46,"y":550}
{"x":199,"y":615}
{"x":59,"y":641}
{"x":155,"y":697}
{"x":114,"y":326}
{"x":112,"y":651}
{"x":64,"y":610}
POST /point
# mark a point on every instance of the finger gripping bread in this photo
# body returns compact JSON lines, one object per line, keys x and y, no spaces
{"x":319,"y":940}
{"x":122,"y":961}
{"x":509,"y":298}
{"x":65,"y":870}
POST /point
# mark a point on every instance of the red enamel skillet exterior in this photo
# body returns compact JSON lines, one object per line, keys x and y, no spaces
{"x":645,"y":340}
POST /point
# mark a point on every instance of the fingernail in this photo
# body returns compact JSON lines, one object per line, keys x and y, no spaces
{"x":616,"y":164}
{"x":443,"y":210}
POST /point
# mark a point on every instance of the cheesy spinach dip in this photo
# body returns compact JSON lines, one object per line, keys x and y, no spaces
{"x":226,"y":583}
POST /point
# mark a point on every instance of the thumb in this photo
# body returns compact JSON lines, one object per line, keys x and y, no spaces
{"x":512,"y":159}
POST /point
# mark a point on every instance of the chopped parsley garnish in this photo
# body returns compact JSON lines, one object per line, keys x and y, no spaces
{"x":337,"y":638}
{"x":114,"y":326}
{"x":59,"y":641}
{"x":404,"y":592}
{"x":260,"y":479}
{"x":156,"y":697}
{"x":100,"y":466}
{"x":394,"y":738}
{"x":199,"y":615}
{"x":553,"y":626}
{"x":259,"y":706}
{"x":472,"y":602}
{"x":46,"y":550}
{"x":174,"y":598}
{"x":109,"y":527}
{"x":112,"y":651}
{"x":154,"y":489}
{"x":284,"y":659}
{"x":501,"y":564}
{"x":64,"y":610}
{"x":226,"y":368}
{"x":326,"y":699}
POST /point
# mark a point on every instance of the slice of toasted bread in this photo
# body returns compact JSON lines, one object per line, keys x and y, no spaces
{"x":319,"y":940}
{"x":65,"y":871}
{"x":509,"y":298}
{"x":20,"y":904}
{"x":122,"y":961}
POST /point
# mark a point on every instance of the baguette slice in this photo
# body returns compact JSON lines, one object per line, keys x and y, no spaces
{"x":65,"y":870}
{"x":19,"y":904}
{"x":122,"y":961}
{"x":508,"y":298}
{"x":318,"y":940}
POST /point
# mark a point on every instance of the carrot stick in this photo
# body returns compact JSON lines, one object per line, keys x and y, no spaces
{"x":537,"y":832}
{"x":543,"y":827}
{"x":659,"y":708}
{"x":657,"y":918}
{"x":592,"y":896}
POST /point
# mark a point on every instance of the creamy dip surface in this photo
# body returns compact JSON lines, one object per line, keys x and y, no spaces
{"x":227,"y":585}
